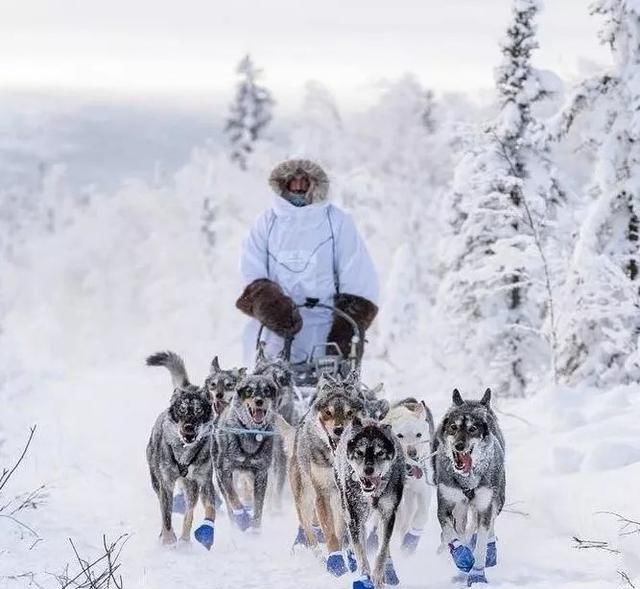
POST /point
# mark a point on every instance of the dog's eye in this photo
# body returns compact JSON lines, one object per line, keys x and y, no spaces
{"x":453,"y":427}
{"x":400,"y":436}
{"x":349,"y":414}
{"x":419,"y":435}
{"x":326,"y":413}
{"x":473,"y":429}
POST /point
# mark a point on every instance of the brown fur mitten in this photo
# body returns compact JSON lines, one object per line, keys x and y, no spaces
{"x":361,"y":310}
{"x":265,"y":301}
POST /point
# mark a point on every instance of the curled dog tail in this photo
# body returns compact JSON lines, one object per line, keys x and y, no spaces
{"x":174,"y":364}
{"x":288,"y":433}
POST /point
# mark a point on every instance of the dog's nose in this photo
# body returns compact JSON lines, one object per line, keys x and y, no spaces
{"x":259,"y":402}
{"x":412,"y":452}
{"x":219,"y":395}
{"x":368,"y":470}
{"x":338,"y":430}
{"x":459,"y":446}
{"x":189,"y":428}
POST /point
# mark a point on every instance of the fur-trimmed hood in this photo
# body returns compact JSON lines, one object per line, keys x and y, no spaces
{"x":318,"y":178}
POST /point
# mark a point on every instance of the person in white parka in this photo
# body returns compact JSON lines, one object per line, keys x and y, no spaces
{"x":304,"y":247}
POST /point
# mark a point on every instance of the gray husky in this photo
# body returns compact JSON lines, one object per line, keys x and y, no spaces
{"x":221,"y":385}
{"x":244,"y":445}
{"x":470,"y":477}
{"x":370,"y":474}
{"x":179,"y":449}
{"x":281,"y":374}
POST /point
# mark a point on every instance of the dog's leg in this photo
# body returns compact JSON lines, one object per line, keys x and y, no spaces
{"x":485,"y":525}
{"x":167,"y":535}
{"x":386,"y":525}
{"x":325,"y":516}
{"x":279,"y":471}
{"x":191,"y":495}
{"x":447,"y":513}
{"x":304,"y":503}
{"x":260,"y":482}
{"x":357,"y":533}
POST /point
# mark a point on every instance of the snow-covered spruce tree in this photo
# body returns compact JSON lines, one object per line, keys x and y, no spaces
{"x":496,"y":294}
{"x":250,"y":113}
{"x":600,"y":323}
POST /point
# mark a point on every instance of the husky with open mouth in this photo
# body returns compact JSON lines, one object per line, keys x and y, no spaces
{"x":370,"y":474}
{"x":221,"y":385}
{"x":469,"y":472}
{"x":244,"y":445}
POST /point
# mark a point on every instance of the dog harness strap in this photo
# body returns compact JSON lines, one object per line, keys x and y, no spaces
{"x":469,"y":494}
{"x":336,"y":275}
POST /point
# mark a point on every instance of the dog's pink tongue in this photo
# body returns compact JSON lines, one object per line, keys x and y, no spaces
{"x":466,"y":462}
{"x":258,"y":415}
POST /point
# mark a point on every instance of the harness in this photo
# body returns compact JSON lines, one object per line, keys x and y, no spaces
{"x":192,"y":453}
{"x":331,"y":238}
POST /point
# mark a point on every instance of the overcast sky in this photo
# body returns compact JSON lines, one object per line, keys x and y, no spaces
{"x":184,"y":46}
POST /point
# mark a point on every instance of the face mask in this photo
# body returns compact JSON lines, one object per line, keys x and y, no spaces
{"x":297,"y":199}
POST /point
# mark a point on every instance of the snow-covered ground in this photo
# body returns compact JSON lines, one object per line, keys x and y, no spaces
{"x":571,"y":455}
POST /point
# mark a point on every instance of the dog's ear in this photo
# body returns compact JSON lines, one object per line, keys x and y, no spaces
{"x":242,"y":372}
{"x":486,"y":398}
{"x":428,"y":417}
{"x":215,"y":365}
{"x":457,"y":398}
{"x":261,"y":355}
{"x":353,"y":378}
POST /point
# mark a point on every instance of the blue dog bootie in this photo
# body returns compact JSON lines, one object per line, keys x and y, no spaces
{"x":301,"y":538}
{"x":179,"y":503}
{"x":476,"y":576}
{"x":462,"y":555}
{"x":363,"y":582}
{"x":336,"y":565}
{"x":492,"y":550}
{"x":352,"y":563}
{"x":205,"y":533}
{"x":242,"y":519}
{"x":410,"y":541}
{"x":317,"y":530}
{"x":390,"y":575}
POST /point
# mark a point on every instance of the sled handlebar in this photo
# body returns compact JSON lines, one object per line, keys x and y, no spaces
{"x":312,"y":304}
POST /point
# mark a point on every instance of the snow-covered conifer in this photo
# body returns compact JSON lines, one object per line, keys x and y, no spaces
{"x":250,"y":112}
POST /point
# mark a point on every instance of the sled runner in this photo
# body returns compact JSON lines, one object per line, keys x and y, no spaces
{"x":325,"y":358}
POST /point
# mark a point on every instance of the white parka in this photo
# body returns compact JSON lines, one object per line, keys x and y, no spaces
{"x":311,"y":252}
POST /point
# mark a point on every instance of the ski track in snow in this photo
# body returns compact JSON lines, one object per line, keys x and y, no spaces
{"x":89,"y":448}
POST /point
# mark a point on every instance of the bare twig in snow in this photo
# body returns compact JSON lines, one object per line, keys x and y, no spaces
{"x":626,"y":579}
{"x":595,"y":544}
{"x":8,"y":472}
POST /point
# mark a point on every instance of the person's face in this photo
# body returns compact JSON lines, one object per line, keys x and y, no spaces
{"x":298,"y":183}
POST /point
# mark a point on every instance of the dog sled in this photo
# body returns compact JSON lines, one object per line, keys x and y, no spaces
{"x":325,"y":358}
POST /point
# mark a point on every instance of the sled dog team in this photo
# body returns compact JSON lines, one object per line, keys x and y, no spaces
{"x":361,"y":471}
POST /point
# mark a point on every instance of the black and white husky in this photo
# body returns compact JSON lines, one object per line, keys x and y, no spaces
{"x":470,"y":477}
{"x":370,"y":473}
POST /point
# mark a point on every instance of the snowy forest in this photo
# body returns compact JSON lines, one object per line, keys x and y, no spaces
{"x":506,"y":233}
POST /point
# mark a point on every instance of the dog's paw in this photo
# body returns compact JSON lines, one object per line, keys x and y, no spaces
{"x":242,"y":519}
{"x":363,"y":582}
{"x":390,"y":575}
{"x":205,"y":534}
{"x":336,"y":565}
{"x":351,"y":561}
{"x":410,"y":543}
{"x":462,"y":556}
{"x":372,"y":542}
{"x":179,"y":503}
{"x":476,"y":576}
{"x":301,"y":539}
{"x":168,"y":538}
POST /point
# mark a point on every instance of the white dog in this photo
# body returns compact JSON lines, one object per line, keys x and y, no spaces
{"x":412,"y":422}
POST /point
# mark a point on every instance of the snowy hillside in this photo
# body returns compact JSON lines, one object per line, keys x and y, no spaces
{"x":506,"y":236}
